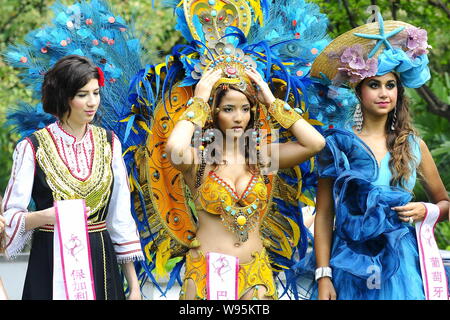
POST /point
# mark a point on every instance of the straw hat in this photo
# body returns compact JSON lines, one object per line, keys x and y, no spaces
{"x":375,"y":34}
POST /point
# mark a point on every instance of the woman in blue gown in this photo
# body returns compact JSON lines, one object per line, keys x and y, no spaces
{"x":365,"y":244}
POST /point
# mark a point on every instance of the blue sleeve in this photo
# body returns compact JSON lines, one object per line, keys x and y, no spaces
{"x":326,"y":160}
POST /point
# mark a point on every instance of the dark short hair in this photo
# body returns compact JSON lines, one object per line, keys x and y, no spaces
{"x":62,"y":82}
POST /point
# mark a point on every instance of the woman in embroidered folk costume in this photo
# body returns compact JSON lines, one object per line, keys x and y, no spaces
{"x":72,"y":159}
{"x":369,"y":166}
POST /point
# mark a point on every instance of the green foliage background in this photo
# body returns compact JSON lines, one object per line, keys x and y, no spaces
{"x":155,"y":27}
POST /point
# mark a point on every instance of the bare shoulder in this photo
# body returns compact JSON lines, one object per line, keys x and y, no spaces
{"x":422,"y":144}
{"x":426,"y":157}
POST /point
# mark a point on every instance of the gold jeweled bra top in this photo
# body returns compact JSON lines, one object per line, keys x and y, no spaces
{"x":238,"y":213}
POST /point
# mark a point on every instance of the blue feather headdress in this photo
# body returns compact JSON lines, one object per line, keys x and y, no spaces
{"x":86,"y":29}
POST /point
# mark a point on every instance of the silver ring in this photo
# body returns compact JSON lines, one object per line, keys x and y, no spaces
{"x":410,"y":220}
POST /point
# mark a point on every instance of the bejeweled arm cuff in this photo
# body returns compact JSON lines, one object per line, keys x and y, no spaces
{"x":197,"y":112}
{"x":283,"y":113}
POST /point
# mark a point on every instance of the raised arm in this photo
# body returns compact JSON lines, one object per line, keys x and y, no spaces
{"x":309,"y":140}
{"x":178,"y":147}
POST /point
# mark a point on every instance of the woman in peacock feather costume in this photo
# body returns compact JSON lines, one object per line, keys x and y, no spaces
{"x":142,"y":104}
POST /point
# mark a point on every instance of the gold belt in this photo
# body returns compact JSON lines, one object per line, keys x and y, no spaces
{"x":92,"y":227}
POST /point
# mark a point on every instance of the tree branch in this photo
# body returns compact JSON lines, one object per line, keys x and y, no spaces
{"x":434,"y":104}
{"x":41,"y":6}
{"x":350,"y":15}
{"x":441,"y":5}
{"x":395,"y":4}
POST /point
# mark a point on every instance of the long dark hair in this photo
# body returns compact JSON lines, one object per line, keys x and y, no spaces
{"x":253,"y":123}
{"x":398,"y":129}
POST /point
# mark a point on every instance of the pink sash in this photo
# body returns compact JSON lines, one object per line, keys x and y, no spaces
{"x":431,"y":265}
{"x":222,"y":276}
{"x":72,"y":267}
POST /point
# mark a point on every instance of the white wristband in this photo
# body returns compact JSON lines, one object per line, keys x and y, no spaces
{"x":323,"y":272}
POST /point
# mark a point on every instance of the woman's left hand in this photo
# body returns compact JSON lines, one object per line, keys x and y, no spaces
{"x":411,"y":212}
{"x":265,"y":95}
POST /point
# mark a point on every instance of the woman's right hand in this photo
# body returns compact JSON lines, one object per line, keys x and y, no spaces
{"x":208,"y":80}
{"x":326,"y":289}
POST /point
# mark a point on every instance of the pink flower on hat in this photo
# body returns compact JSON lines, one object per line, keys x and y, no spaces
{"x":416,"y":42}
{"x":354,"y":66}
{"x":353,"y":56}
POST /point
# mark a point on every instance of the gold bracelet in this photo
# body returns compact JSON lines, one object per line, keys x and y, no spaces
{"x":197,"y":112}
{"x":284,"y":113}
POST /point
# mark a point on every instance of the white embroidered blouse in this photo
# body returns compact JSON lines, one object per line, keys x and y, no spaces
{"x":77,"y":156}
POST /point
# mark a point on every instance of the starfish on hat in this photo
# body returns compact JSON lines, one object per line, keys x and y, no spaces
{"x":382,"y":37}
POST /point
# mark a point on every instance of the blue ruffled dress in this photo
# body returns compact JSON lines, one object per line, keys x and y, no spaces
{"x":374,"y":255}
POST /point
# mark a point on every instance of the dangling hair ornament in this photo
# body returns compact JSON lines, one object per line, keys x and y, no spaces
{"x":101,"y":77}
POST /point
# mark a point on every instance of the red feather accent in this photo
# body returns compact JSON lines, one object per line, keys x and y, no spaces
{"x":101,"y":77}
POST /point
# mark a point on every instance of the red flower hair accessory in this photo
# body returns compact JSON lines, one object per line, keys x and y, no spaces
{"x":101,"y":77}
